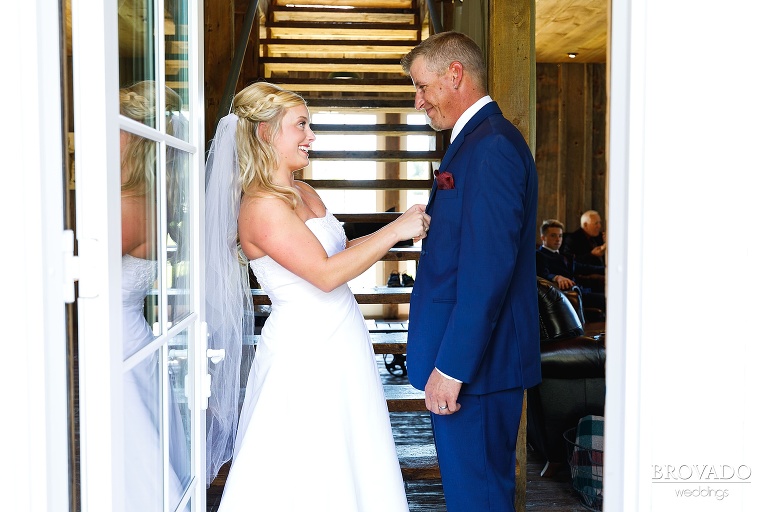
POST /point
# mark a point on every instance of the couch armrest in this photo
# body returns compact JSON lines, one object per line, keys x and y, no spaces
{"x":574,"y":358}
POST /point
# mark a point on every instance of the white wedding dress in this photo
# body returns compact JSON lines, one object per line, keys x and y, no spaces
{"x":141,"y":394}
{"x":314,"y":432}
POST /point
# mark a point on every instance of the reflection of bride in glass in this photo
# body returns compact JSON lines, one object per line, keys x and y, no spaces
{"x":142,"y":383}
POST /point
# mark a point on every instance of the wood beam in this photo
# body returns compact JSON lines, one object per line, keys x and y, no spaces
{"x":512,"y":63}
{"x":512,"y":83}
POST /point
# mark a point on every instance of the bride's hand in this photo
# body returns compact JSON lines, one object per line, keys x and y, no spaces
{"x":412,"y":224}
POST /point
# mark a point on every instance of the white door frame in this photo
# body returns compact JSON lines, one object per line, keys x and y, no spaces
{"x":622,"y":384}
{"x":686,"y":217}
{"x":95,"y":82}
{"x":34,"y":476}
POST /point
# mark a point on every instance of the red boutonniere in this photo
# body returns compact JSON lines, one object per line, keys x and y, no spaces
{"x":444,"y":180}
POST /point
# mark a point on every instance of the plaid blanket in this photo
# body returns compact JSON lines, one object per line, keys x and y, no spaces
{"x":590,"y":431}
{"x":587,"y":458}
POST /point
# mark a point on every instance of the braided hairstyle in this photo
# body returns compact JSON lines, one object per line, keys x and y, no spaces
{"x":137,"y":159}
{"x":265,"y":103}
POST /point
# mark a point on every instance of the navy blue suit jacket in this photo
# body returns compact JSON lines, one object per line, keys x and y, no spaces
{"x":474,"y":305}
{"x":549,"y":265}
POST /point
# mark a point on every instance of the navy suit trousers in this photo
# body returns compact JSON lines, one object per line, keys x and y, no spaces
{"x":476,"y":449}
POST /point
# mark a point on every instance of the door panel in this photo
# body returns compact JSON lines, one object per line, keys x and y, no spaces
{"x":150,"y":408}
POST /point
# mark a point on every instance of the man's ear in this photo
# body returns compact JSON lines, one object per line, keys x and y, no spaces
{"x":457,"y":73}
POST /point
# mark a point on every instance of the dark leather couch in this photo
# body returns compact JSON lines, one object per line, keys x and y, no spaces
{"x":573,"y":374}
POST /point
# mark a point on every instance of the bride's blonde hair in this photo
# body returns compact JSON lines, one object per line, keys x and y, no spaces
{"x":265,"y":103}
{"x":137,"y":160}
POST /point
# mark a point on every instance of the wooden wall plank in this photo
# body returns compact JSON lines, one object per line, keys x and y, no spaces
{"x":570,"y":134}
{"x":599,"y":139}
{"x":577,"y":182}
{"x":551,"y":195}
{"x":219,"y":51}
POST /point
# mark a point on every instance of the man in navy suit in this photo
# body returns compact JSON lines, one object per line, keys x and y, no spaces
{"x":473,"y":335}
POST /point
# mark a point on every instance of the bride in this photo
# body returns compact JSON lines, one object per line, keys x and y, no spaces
{"x":301,"y":444}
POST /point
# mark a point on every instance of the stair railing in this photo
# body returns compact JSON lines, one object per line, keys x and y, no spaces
{"x":437,"y":22}
{"x":237,"y":61}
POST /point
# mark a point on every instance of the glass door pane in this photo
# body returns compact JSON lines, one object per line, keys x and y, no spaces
{"x":176,"y":30}
{"x":157,"y":281}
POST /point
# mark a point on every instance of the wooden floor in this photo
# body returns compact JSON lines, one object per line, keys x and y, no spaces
{"x":553,"y":494}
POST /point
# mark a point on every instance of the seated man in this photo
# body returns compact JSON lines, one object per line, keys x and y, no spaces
{"x":564,"y":270}
{"x":587,"y":244}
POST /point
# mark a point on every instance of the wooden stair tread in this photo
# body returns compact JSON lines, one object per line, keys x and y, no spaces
{"x":404,"y":398}
{"x":321,"y":14}
{"x":315,"y":45}
{"x":343,"y":31}
{"x":383,"y":295}
{"x":418,"y":462}
{"x":353,"y":3}
{"x":368,"y":217}
{"x":308,"y":64}
{"x":403,"y":254}
{"x":386,"y":326}
{"x":340,"y":23}
{"x":334,"y":26}
{"x":325,"y":7}
{"x":389,"y":342}
{"x":337,"y":48}
{"x":343,"y":83}
{"x":392,"y":103}
{"x":385,"y":155}
{"x":352,"y":85}
{"x":374,"y":129}
{"x":375,"y":295}
{"x":273,"y":71}
{"x":382,"y":184}
{"x":363,"y":46}
{"x":325,"y":60}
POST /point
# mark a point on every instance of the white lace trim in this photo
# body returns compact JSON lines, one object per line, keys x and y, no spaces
{"x":144,"y":271}
{"x":332,"y":222}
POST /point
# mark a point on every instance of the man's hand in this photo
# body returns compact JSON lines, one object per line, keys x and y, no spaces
{"x":564,"y":283}
{"x":440,"y":394}
{"x":599,"y":250}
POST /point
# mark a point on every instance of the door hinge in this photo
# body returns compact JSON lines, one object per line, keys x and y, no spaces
{"x":71,"y":265}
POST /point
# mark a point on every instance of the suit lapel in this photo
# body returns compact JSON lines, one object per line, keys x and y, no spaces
{"x":482,"y":114}
{"x":487,"y":110}
{"x":431,"y":196}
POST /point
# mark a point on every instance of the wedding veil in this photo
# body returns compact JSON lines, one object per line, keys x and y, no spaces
{"x":228,"y":300}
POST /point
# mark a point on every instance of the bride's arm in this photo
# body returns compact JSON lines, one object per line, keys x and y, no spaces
{"x":271,"y":226}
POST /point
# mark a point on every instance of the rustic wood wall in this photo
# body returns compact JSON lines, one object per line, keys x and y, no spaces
{"x":251,"y":57}
{"x":224,"y":22}
{"x":570,"y":141}
{"x":219,"y":42}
